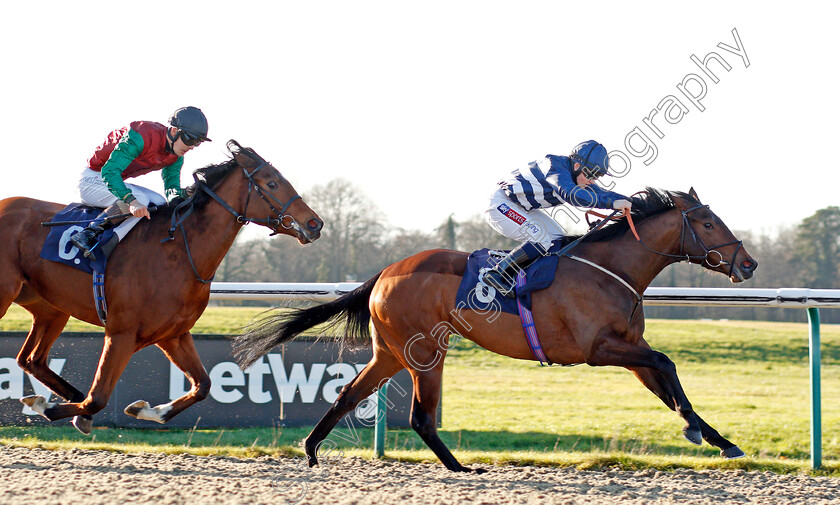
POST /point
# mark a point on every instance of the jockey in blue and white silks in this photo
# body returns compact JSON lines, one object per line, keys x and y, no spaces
{"x":548,"y":182}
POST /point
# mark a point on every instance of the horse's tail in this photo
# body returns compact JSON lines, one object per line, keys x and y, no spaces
{"x":263,"y":334}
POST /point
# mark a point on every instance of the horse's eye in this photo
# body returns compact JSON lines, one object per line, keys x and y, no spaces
{"x":708,"y":226}
{"x":272,"y":185}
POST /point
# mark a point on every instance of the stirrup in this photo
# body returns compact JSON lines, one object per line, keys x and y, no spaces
{"x":492,"y":279}
{"x":87,"y":249}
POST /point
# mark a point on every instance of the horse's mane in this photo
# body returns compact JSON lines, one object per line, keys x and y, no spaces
{"x":212,"y":175}
{"x":648,"y":204}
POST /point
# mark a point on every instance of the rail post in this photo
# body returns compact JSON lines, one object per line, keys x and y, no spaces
{"x":381,"y":421}
{"x":816,"y":407}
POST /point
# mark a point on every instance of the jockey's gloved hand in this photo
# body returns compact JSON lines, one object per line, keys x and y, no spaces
{"x":173,"y":193}
{"x":622,"y":205}
{"x":137,"y":209}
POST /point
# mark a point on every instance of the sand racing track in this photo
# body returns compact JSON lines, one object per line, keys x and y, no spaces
{"x":76,"y":476}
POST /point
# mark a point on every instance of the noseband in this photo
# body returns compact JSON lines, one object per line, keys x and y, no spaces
{"x":708,"y":252}
{"x":272,"y":222}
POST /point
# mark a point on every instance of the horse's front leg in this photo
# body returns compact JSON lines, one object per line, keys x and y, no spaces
{"x":181,"y":351}
{"x":116,"y":354}
{"x":654,"y":382}
{"x":615,"y":351}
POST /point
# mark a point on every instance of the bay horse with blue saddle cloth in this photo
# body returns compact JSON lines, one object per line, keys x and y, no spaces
{"x":591,"y":314}
{"x":155,"y":291}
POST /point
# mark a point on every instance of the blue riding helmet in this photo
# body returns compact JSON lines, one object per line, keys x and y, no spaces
{"x":191,"y":124}
{"x":592,"y":157}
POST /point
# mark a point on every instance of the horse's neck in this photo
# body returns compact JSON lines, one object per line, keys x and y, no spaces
{"x":635,"y":263}
{"x":212,"y":229}
{"x":662,"y":234}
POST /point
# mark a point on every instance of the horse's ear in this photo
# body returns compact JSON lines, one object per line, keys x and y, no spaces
{"x":693,"y":194}
{"x":233,"y":146}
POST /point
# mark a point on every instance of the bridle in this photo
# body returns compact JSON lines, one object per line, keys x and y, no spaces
{"x":185,"y":208}
{"x":682,"y":256}
{"x":272,"y":222}
{"x":707,"y":251}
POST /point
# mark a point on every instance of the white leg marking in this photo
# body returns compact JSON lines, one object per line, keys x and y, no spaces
{"x":37,"y":403}
{"x":142,"y":410}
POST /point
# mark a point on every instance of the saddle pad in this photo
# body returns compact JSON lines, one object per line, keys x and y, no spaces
{"x":58,"y":247}
{"x":475,"y":295}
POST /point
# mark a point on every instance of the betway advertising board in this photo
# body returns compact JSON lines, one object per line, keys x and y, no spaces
{"x":293,"y":385}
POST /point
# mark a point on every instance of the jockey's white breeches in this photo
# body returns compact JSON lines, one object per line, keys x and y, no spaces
{"x":513,"y":221}
{"x":95,"y":193}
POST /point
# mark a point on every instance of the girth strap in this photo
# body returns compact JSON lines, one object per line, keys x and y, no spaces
{"x":624,"y":283}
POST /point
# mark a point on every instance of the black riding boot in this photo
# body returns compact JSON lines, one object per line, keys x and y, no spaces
{"x":502,"y":277}
{"x":87,"y":239}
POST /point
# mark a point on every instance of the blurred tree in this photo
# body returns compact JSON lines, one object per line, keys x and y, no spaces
{"x":817,"y":249}
{"x":244,"y":262}
{"x":475,"y":234}
{"x":448,"y":233}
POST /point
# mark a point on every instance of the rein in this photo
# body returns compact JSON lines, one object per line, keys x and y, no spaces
{"x":707,"y":251}
{"x":188,"y":206}
{"x":682,"y":256}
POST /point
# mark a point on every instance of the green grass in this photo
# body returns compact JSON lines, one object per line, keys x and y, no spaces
{"x":749,"y":380}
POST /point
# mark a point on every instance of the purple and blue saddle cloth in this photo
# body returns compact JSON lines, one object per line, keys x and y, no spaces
{"x":58,"y":248}
{"x":475,"y":295}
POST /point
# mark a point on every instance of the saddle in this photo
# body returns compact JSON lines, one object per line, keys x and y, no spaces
{"x":475,"y":295}
{"x":57,"y":247}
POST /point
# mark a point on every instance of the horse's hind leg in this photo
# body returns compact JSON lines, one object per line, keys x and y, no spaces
{"x":47,"y":323}
{"x":615,"y":351}
{"x":427,"y":387}
{"x":116,"y":354}
{"x":655,"y":383}
{"x":381,"y":368}
{"x":181,"y":351}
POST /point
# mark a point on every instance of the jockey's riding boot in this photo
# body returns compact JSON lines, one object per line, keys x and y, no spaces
{"x":87,"y":239}
{"x":502,"y":277}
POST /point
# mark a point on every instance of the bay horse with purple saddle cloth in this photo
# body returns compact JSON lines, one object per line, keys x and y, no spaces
{"x":591,"y":314}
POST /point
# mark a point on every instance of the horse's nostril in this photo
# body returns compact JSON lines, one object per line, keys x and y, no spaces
{"x":314,"y":224}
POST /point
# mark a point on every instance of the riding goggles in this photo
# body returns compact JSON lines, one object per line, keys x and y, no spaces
{"x":190,"y":139}
{"x":592,"y":173}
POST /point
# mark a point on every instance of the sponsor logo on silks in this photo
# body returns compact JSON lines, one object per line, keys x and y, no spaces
{"x":511,"y":214}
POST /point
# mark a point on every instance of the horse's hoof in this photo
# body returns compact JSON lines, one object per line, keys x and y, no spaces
{"x":32,"y":400}
{"x":37,"y":403}
{"x":83,"y":424}
{"x":732,"y":453}
{"x":142,"y":410}
{"x":135,"y":408}
{"x":693,"y":435}
{"x":478,"y":471}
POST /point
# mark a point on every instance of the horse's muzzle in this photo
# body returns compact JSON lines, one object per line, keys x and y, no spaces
{"x":311,"y":231}
{"x":743,"y":270}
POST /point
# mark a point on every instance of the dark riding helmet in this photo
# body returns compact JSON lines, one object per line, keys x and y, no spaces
{"x":191,"y":124}
{"x":593,"y":158}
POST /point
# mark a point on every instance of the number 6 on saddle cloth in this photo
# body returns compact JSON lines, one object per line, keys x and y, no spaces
{"x":58,"y":248}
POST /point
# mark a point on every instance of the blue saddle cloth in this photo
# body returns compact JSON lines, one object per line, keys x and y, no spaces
{"x":58,"y":247}
{"x":474,"y":294}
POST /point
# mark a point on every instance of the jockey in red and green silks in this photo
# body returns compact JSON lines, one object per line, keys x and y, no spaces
{"x":140,"y":148}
